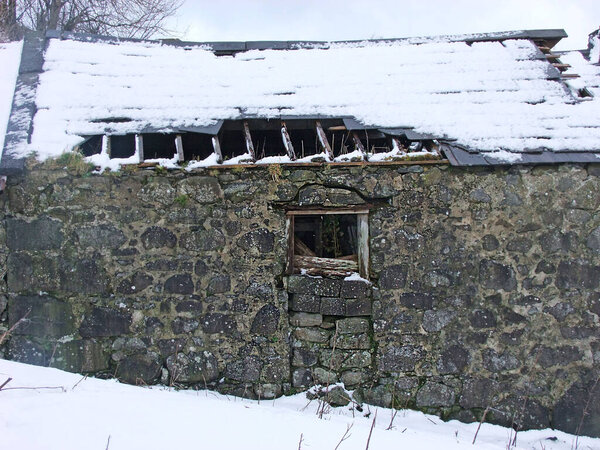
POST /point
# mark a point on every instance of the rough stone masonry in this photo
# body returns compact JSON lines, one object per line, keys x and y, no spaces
{"x":484,"y":293}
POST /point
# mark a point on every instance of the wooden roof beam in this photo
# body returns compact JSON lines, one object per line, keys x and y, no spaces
{"x":179,"y":147}
{"x":398,"y":145}
{"x":323,"y":142}
{"x":287,"y":142}
{"x":217,"y":148}
{"x":359,"y":145}
{"x":249,"y":144}
{"x":561,"y":67}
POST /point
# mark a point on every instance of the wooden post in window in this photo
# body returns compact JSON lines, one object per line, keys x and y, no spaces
{"x":287,"y":142}
{"x":106,"y":144}
{"x":217,"y":147}
{"x":289,"y":229}
{"x":323,"y":140}
{"x":249,"y":144}
{"x":179,"y":147}
{"x":139,"y":146}
{"x":397,"y":145}
{"x":363,"y":245}
{"x":359,"y":145}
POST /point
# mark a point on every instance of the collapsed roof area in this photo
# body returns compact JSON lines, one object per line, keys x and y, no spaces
{"x":497,"y":98}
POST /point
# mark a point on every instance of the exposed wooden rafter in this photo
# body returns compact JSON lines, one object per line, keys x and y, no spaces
{"x":323,"y":142}
{"x":359,"y":145}
{"x":287,"y":142}
{"x":139,"y":146}
{"x":217,"y":147}
{"x":179,"y":147}
{"x":561,"y":67}
{"x":106,"y":144}
{"x":248,"y":137}
{"x":398,"y":145}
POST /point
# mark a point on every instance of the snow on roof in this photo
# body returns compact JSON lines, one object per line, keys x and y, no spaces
{"x":488,"y":95}
{"x":589,"y":74}
{"x":10,"y":54}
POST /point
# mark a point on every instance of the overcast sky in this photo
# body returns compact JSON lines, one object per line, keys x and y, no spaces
{"x":245,"y":20}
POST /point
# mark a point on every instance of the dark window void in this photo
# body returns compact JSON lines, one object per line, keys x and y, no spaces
{"x":232,"y":139}
{"x":268,"y":143}
{"x":197,"y":146}
{"x":304,"y":142}
{"x":267,"y":138}
{"x":304,"y":137}
{"x":340,"y":141}
{"x":122,"y":146}
{"x":157,"y":145}
{"x":92,"y":146}
{"x":374,"y":141}
{"x":326,"y":236}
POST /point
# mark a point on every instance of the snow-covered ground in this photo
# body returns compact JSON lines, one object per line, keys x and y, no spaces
{"x":60,"y":410}
{"x":9,"y":66}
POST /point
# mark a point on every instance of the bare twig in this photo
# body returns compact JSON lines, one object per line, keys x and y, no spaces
{"x":53,"y":353}
{"x":34,"y":388}
{"x":11,"y":329}
{"x":76,"y":384}
{"x":300,"y":441}
{"x":108,"y":442}
{"x":583,"y":414}
{"x":517,"y":426}
{"x":371,"y":430}
{"x":391,"y":425}
{"x":345,"y":436}
{"x":480,"y":422}
{"x":323,"y":405}
{"x":5,"y":383}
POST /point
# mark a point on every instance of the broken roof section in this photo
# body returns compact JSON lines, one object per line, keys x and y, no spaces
{"x":488,"y":98}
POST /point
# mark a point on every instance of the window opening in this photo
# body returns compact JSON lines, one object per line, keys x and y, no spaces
{"x":91,"y":146}
{"x":304,"y":137}
{"x":328,"y":243}
{"x":196,"y":146}
{"x":232,"y":139}
{"x":122,"y":146}
{"x":326,"y":236}
{"x":267,"y":138}
{"x":374,"y":141}
{"x":340,"y":141}
{"x":158,"y":145}
{"x":338,"y":137}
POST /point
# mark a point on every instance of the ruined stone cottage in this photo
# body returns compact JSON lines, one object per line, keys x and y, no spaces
{"x":415,"y":218}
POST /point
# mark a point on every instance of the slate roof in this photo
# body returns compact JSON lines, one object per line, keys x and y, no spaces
{"x":488,"y":98}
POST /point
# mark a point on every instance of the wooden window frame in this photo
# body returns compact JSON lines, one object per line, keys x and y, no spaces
{"x":362,"y":222}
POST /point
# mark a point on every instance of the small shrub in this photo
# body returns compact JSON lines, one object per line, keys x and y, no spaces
{"x":275,"y":170}
{"x":182,"y":199}
{"x":74,"y":162}
{"x":160,"y":170}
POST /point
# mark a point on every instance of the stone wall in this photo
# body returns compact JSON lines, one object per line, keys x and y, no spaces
{"x":331,"y":331}
{"x":485,"y":285}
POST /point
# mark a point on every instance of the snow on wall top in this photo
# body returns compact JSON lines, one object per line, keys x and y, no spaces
{"x":10,"y":55}
{"x":489,"y":96}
